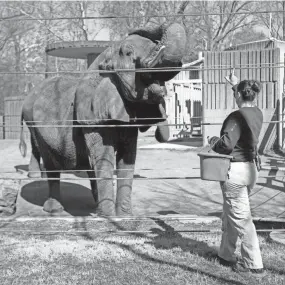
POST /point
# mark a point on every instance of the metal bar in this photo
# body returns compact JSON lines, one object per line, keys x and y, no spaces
{"x":136,"y":17}
{"x":142,"y":70}
{"x":31,"y":232}
{"x":120,"y":126}
{"x":116,"y":178}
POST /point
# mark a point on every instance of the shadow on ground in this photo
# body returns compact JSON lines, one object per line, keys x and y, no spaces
{"x":167,"y":238}
{"x":191,"y":141}
{"x":276,"y":178}
{"x":77,"y":200}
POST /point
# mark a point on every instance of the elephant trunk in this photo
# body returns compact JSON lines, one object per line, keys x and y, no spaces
{"x":172,"y":37}
{"x":157,"y":33}
{"x":162,"y":132}
{"x":153,"y":30}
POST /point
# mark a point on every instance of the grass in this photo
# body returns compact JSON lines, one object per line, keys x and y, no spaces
{"x":163,"y":256}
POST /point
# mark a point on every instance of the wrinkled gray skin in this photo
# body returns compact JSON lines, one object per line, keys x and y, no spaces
{"x":90,"y":101}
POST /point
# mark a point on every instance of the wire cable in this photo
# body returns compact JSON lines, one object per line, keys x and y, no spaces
{"x":141,"y":70}
{"x":140,"y":17}
{"x":120,"y":125}
{"x":119,"y":178}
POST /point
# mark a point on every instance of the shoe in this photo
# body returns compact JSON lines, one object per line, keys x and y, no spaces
{"x":239,"y":268}
{"x":226,"y":263}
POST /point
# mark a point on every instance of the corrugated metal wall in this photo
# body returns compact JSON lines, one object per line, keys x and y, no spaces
{"x":257,"y":45}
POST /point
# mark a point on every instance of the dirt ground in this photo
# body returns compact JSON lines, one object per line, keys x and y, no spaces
{"x":167,"y":182}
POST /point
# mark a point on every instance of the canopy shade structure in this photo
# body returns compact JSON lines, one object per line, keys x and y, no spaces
{"x":78,"y":49}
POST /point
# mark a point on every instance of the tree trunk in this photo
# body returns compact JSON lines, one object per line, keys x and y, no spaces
{"x":17,"y":64}
{"x":47,"y":40}
{"x":283,"y":6}
{"x":83,"y":9}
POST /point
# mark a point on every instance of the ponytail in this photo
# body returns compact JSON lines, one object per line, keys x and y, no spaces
{"x":248,"y":89}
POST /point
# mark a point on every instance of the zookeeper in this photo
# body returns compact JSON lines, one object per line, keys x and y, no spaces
{"x":238,"y":138}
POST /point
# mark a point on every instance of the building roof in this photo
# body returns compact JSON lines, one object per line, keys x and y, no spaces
{"x":257,"y":45}
{"x":77,"y":49}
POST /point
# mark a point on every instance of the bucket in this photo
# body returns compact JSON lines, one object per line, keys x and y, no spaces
{"x":214,"y":166}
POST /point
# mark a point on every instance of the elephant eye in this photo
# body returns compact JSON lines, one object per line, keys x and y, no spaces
{"x":127,"y":49}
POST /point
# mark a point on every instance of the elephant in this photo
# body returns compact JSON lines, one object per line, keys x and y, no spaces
{"x":72,"y":123}
{"x":172,"y":36}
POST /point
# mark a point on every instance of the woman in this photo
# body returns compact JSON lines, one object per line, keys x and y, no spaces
{"x":239,"y":138}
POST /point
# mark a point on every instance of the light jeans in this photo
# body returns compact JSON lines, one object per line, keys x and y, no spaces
{"x":237,"y":220}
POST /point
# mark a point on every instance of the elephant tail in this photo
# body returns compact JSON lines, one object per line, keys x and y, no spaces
{"x":22,"y":144}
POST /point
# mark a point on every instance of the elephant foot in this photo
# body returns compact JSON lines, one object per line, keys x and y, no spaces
{"x":34,"y":174}
{"x":52,"y":206}
{"x":106,"y":208}
{"x":123,"y":213}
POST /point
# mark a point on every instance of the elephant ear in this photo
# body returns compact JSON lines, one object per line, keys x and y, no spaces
{"x":98,"y":101}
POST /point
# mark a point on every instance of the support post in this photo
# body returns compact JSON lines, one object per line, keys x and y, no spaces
{"x":90,"y":58}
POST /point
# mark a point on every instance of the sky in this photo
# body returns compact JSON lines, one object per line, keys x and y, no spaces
{"x":103,"y":35}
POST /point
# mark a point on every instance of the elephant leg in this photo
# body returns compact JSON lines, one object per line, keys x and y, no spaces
{"x":34,"y":165}
{"x":53,"y":203}
{"x":126,"y":157}
{"x":94,"y":190}
{"x":102,"y":156}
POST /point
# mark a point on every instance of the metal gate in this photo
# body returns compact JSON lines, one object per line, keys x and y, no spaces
{"x":12,"y":117}
{"x":184,"y":104}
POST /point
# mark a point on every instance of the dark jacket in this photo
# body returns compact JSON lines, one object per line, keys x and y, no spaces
{"x":239,"y":134}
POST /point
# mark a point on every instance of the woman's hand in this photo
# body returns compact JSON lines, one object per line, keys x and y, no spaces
{"x":212,"y":140}
{"x":208,"y":139}
{"x":232,"y":79}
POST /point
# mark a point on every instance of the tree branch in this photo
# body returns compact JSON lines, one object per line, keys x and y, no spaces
{"x":39,"y":21}
{"x":11,"y":17}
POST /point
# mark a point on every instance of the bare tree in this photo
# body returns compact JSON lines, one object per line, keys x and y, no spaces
{"x":272,"y":22}
{"x":22,"y":43}
{"x":139,"y":12}
{"x":214,"y":31}
{"x":204,"y":30}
